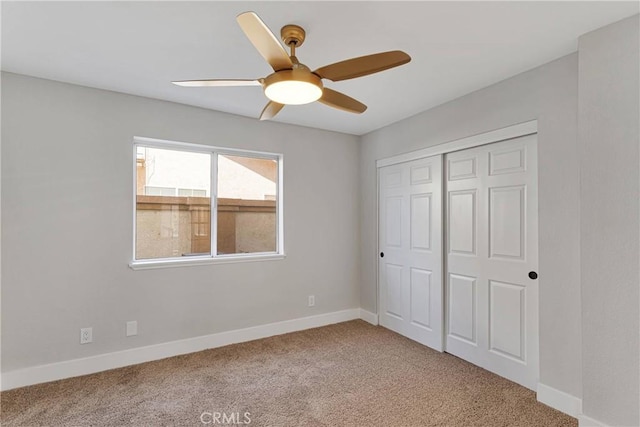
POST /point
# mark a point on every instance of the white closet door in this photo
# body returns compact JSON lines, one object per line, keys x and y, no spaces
{"x":492,"y":246}
{"x":410,"y":263}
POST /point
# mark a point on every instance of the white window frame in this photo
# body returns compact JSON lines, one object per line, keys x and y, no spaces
{"x":213,"y":257}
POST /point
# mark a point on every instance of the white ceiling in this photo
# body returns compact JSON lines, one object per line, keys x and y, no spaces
{"x":139,"y":47}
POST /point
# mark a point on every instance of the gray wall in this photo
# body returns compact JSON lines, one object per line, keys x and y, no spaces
{"x":548,"y":94}
{"x":67,"y":182}
{"x":610,"y":194}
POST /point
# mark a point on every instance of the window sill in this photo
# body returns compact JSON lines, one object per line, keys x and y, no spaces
{"x":190,"y":261}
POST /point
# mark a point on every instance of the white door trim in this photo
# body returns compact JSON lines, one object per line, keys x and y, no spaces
{"x":514,"y":131}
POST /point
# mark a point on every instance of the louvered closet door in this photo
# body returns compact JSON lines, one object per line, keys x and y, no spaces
{"x":491,"y":245}
{"x":410,"y":272}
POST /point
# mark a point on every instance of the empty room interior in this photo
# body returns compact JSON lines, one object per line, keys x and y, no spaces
{"x":320,"y":213}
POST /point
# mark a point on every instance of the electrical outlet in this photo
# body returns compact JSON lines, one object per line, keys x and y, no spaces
{"x":312,"y":300}
{"x":86,"y":335}
{"x":132,"y":328}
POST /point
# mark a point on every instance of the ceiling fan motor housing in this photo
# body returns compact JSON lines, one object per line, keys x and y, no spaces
{"x":292,"y":34}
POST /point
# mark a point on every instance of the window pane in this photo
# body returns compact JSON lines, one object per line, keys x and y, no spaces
{"x":247,"y":191}
{"x":173,"y":203}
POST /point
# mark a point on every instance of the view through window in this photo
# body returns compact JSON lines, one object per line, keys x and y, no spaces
{"x":174,"y":199}
{"x":246,"y":204}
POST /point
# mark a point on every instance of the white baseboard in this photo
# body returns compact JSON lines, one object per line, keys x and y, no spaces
{"x":368,"y":316}
{"x":584,"y":421}
{"x":103,"y":362}
{"x":563,"y":402}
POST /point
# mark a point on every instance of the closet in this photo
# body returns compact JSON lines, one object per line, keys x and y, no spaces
{"x":458,"y":240}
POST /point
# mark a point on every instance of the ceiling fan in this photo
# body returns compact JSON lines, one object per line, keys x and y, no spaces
{"x":292,"y":82}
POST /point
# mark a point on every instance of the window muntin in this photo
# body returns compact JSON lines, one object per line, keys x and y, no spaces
{"x":173,"y":203}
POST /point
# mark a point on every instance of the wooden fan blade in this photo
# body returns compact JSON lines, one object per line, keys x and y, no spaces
{"x":217,"y":83}
{"x":264,"y":41}
{"x":270,"y":110}
{"x":341,"y":101}
{"x":362,"y":66}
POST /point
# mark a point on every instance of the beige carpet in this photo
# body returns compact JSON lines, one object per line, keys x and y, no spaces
{"x":349,"y":374}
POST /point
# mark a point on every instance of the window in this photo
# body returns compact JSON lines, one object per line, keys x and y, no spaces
{"x":174,"y":202}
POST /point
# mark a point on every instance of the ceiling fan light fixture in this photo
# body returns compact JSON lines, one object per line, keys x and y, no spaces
{"x":293,"y":87}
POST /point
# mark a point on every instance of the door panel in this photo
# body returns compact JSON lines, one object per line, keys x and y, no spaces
{"x":410,"y":276}
{"x":462,"y":168}
{"x":462,"y":307}
{"x":421,"y":297}
{"x":394,"y":221}
{"x":462,"y":217}
{"x":394,"y":290}
{"x":506,"y":222}
{"x":421,"y":222}
{"x":506,"y":318}
{"x":420,"y":174}
{"x":491,"y":246}
{"x":506,"y":161}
